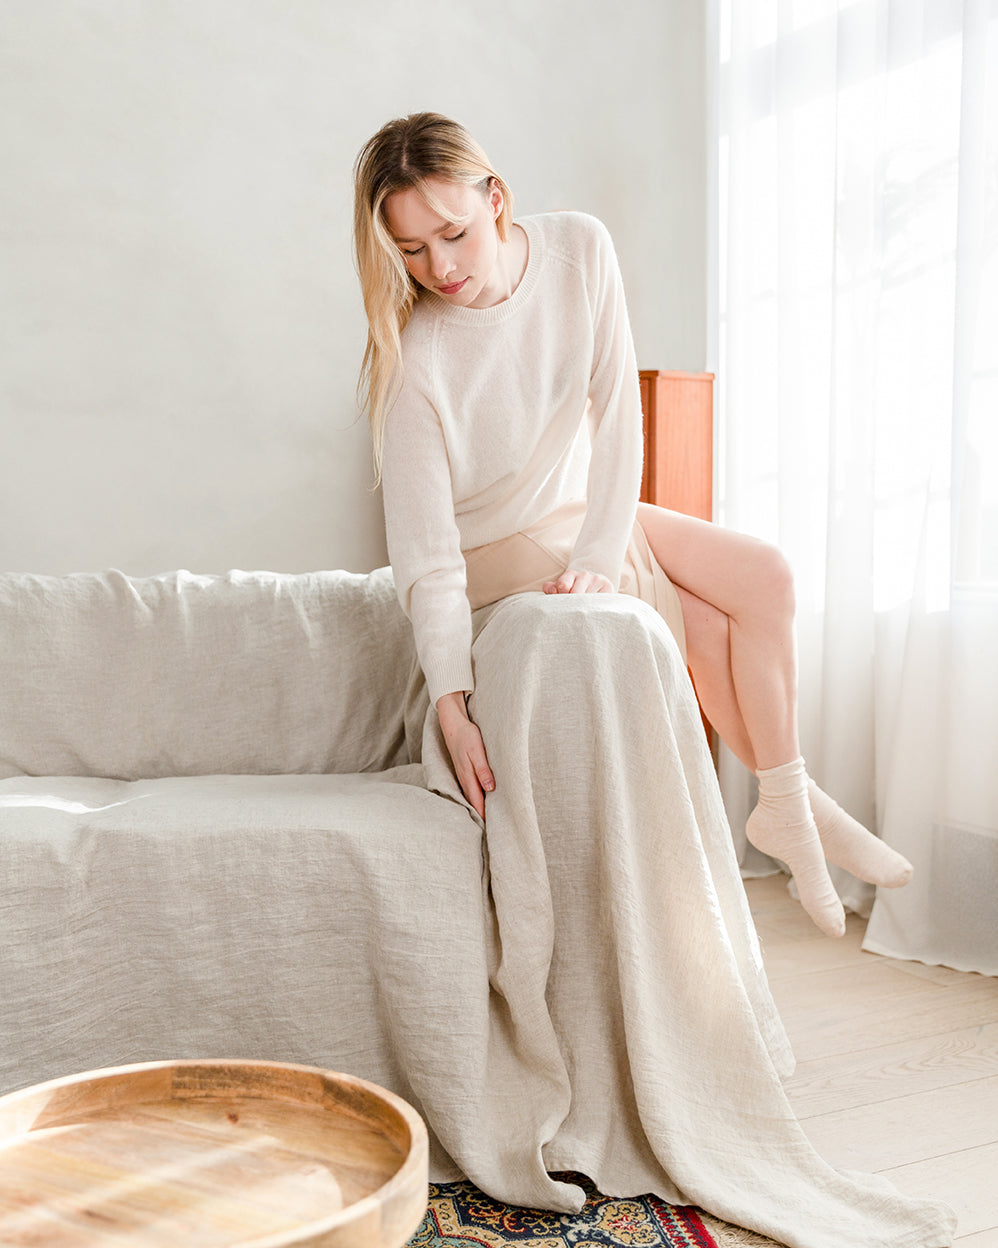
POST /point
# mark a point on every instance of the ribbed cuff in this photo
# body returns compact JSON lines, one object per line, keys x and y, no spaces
{"x":448,"y":677}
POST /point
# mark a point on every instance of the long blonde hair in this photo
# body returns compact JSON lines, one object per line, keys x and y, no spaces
{"x":402,"y":155}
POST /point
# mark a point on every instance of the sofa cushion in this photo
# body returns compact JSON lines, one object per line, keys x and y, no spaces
{"x":302,"y":918}
{"x":181,"y":674}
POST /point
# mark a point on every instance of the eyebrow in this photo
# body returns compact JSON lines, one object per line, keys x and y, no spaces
{"x":449,"y":225}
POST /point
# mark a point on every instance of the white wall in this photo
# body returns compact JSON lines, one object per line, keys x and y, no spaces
{"x":180,"y":328}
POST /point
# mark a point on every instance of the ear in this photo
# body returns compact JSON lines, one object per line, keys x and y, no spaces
{"x":495,"y":198}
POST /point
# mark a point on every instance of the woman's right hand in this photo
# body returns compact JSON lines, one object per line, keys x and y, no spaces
{"x":575,"y":581}
{"x":467,"y":750}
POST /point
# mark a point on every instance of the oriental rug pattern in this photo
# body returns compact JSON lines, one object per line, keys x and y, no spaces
{"x":460,"y":1216}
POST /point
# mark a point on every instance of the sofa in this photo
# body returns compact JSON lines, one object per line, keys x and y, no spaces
{"x":229,"y":828}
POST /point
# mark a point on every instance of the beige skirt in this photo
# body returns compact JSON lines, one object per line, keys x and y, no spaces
{"x":522,"y":562}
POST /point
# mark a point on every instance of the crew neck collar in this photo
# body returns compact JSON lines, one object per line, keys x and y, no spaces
{"x":508,"y":307}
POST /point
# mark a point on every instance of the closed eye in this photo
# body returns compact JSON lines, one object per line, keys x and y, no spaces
{"x":416,"y":250}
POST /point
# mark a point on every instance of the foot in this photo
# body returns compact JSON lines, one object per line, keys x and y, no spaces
{"x":848,"y":844}
{"x":782,"y":826}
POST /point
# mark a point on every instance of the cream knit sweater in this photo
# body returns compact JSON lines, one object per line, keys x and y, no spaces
{"x":489,"y":433}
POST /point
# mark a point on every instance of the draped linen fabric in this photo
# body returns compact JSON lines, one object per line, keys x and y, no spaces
{"x":858,"y":382}
{"x":575,"y":986}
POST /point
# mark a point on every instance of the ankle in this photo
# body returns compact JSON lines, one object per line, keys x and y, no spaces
{"x":783,"y":780}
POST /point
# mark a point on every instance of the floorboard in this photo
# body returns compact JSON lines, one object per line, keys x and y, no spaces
{"x":897,"y":1061}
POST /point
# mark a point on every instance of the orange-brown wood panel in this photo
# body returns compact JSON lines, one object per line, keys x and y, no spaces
{"x":678,"y":470}
{"x":679,"y":441}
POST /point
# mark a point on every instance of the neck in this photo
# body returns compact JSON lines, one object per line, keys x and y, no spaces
{"x":511,"y":264}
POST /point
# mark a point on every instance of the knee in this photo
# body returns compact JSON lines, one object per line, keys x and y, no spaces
{"x":775,"y":579}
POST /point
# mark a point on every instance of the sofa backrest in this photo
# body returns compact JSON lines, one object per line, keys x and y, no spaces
{"x":181,"y":674}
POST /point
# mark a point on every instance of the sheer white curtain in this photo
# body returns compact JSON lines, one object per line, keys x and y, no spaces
{"x":858,"y":395}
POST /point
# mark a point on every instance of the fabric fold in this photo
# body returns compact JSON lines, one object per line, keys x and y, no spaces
{"x":626,"y":939}
{"x":578,"y":989}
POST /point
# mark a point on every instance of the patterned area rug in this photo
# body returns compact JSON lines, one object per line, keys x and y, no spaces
{"x":460,"y":1215}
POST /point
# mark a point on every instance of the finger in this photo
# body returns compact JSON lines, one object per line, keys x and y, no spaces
{"x":474,"y":773}
{"x":479,"y":761}
{"x":472,"y":790}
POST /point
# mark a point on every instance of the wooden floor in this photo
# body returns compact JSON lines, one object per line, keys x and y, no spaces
{"x":897,"y":1063}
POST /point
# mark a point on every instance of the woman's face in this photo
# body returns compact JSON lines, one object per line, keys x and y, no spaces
{"x":457,"y":261}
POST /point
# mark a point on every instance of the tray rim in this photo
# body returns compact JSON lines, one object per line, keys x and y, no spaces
{"x":413,"y":1168}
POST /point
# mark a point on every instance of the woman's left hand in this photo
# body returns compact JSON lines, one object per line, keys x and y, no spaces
{"x":573,"y":581}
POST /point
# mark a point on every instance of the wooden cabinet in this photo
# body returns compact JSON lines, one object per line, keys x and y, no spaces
{"x":679,"y":451}
{"x":679,"y":441}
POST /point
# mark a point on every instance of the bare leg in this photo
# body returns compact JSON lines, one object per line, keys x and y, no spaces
{"x":708,"y":646}
{"x":844,"y":841}
{"x":738,"y":608}
{"x":751,"y":692}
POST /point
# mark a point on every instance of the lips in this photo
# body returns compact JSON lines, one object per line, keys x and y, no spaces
{"x":453,"y":289}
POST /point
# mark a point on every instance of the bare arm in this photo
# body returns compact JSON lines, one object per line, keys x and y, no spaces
{"x":467,"y":750}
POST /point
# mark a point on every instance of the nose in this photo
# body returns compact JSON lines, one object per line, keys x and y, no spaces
{"x":441,"y":264}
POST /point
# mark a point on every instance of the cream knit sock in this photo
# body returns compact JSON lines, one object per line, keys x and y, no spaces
{"x":848,"y":844}
{"x":782,"y":826}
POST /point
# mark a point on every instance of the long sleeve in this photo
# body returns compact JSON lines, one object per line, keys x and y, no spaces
{"x":614,"y":480}
{"x":489,"y":433}
{"x":424,"y":544}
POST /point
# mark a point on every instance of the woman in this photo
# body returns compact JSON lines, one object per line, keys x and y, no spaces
{"x":502,"y":389}
{"x":489,"y":341}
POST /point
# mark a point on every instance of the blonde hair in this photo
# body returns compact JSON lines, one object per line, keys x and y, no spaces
{"x":402,"y":155}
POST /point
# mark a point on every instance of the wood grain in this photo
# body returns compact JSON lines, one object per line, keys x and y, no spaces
{"x":678,"y":411}
{"x":897,"y":1061}
{"x":890,"y":1133}
{"x":906,"y":1067}
{"x":969,"y":1181}
{"x":210,"y":1155}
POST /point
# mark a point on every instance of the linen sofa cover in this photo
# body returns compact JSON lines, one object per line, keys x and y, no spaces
{"x":581,"y":988}
{"x":185,"y":675}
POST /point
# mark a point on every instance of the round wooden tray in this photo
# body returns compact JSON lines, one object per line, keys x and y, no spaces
{"x":210,"y":1154}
